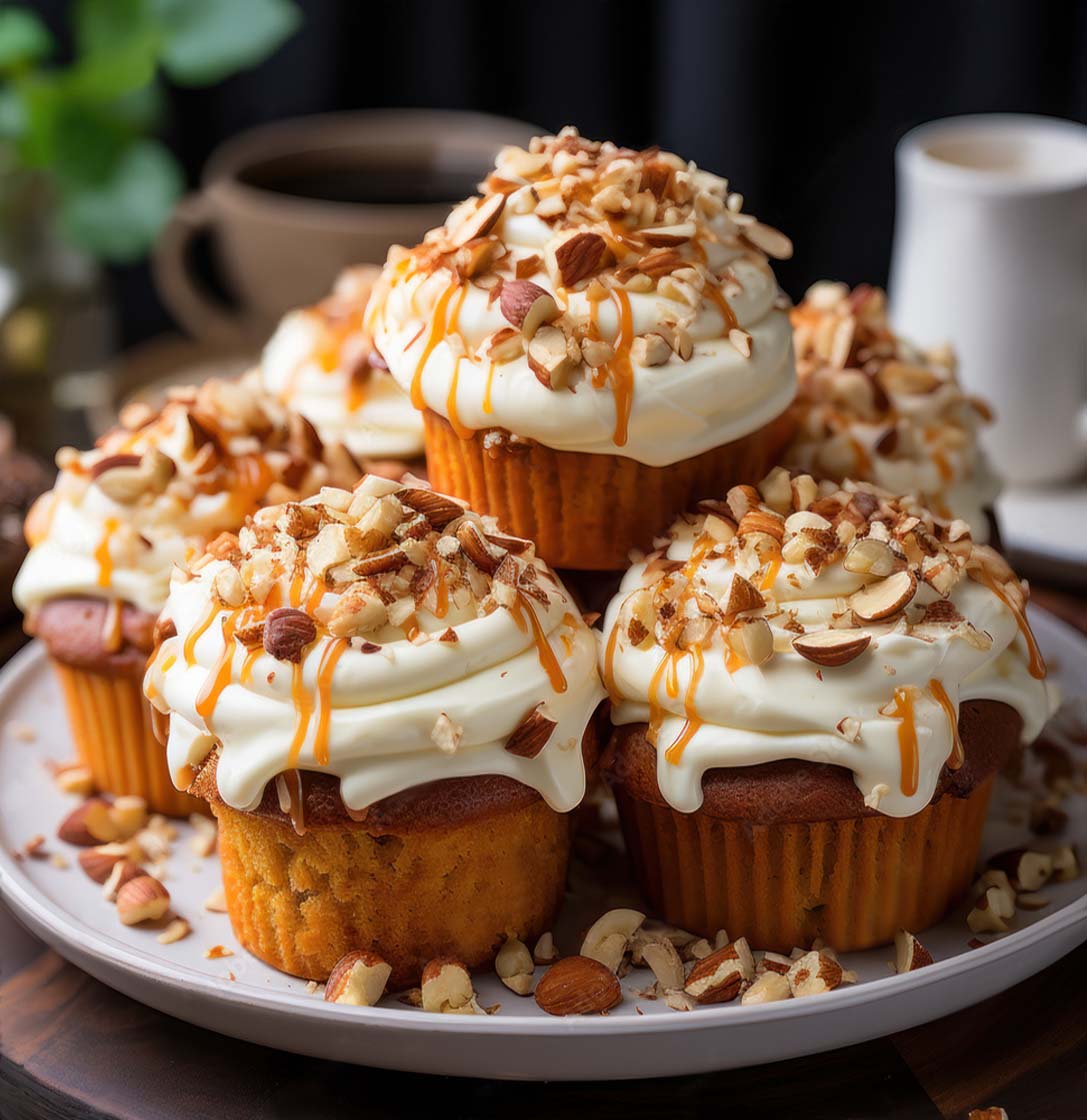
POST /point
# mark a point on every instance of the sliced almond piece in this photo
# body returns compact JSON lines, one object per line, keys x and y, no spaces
{"x":719,"y":977}
{"x":873,"y":557}
{"x":609,"y":937}
{"x":770,"y":987}
{"x":142,"y":899}
{"x":910,"y":954}
{"x":531,"y":735}
{"x":814,"y":973}
{"x":480,"y":222}
{"x":358,"y":979}
{"x":886,"y":598}
{"x":832,"y":648}
{"x":447,"y":988}
{"x":514,"y":966}
{"x":1026,"y":870}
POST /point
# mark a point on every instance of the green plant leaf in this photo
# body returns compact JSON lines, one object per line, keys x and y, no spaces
{"x":12,"y":115}
{"x":23,"y":38}
{"x":100,"y":25}
{"x":205,"y":40}
{"x":119,"y":218}
{"x":128,"y":65}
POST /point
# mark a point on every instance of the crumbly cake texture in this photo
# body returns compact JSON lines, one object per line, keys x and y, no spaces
{"x":873,"y":407}
{"x":321,"y":362}
{"x":594,"y":304}
{"x":384,"y":635}
{"x":822,"y":623}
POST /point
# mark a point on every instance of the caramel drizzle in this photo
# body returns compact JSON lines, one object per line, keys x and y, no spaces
{"x":303,"y":706}
{"x":907,"y":741}
{"x":102,"y":555}
{"x":357,"y":386}
{"x":188,"y":650}
{"x":332,"y":653}
{"x":292,"y":788}
{"x":451,"y":403}
{"x":943,"y":465}
{"x":675,"y":752}
{"x":487,"y":406}
{"x":441,"y":589}
{"x":957,"y":756}
{"x":185,"y":775}
{"x":437,"y":331}
{"x":772,"y":570}
{"x":245,"y":674}
{"x":609,"y":661}
{"x":618,"y":372}
{"x":1037,"y":666}
{"x":717,"y":297}
{"x":548,"y":661}
{"x":220,"y":676}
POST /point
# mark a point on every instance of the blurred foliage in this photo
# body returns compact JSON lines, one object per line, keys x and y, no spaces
{"x":89,"y":126}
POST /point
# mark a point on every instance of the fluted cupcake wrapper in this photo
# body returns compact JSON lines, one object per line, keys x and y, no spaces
{"x":110,"y":720}
{"x":588,"y":511}
{"x":852,"y":882}
{"x":302,"y":902}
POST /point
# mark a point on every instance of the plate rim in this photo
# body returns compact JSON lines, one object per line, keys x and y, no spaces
{"x":58,"y":928}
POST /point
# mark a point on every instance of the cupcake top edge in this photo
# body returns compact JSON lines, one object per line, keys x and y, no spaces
{"x":874,"y":407}
{"x":823,"y":622}
{"x":321,"y":362}
{"x":387,"y":636}
{"x":153,"y":491}
{"x":593,"y":298}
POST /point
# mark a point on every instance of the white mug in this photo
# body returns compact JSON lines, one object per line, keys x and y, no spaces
{"x":990,"y":254}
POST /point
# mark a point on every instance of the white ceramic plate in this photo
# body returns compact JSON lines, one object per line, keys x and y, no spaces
{"x":240,"y":996}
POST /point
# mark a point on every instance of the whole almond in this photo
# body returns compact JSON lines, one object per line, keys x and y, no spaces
{"x":287,"y":632}
{"x":578,"y":257}
{"x":831,"y":648}
{"x":578,"y":986}
{"x":110,"y":462}
{"x":98,"y":864}
{"x":527,"y":306}
{"x":436,"y":508}
{"x":142,"y":899}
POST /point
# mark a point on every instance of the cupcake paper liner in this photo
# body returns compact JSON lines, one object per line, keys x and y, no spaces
{"x":588,"y":511}
{"x":111,"y":724}
{"x":302,"y":902}
{"x":852,"y":882}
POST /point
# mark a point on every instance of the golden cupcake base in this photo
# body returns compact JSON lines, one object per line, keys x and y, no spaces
{"x":299,"y":903}
{"x":852,"y":882}
{"x":110,"y":721}
{"x":588,"y":511}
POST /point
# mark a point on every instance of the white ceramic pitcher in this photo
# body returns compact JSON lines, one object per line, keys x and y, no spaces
{"x":990,"y":253}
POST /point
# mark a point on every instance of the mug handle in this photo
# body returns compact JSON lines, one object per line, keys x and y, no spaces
{"x":200,"y":313}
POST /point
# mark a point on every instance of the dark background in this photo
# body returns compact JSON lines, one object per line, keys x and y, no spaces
{"x":799,"y":104}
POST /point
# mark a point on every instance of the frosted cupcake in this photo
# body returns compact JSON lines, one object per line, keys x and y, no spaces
{"x":875,"y":408}
{"x":104,"y":540}
{"x":595,"y":342}
{"x":388,"y":705}
{"x":321,"y":363}
{"x":812,"y":694}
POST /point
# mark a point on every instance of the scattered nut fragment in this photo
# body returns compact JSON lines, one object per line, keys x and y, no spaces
{"x":770,"y":987}
{"x":215,"y":903}
{"x":205,"y":834}
{"x":910,"y":954}
{"x":1026,"y":870}
{"x":991,"y":911}
{"x":831,"y":648}
{"x":74,"y":779}
{"x":679,"y":1000}
{"x":175,"y":931}
{"x":142,"y":899}
{"x":664,"y":960}
{"x":650,"y":350}
{"x":884,"y":599}
{"x":1031,"y":900}
{"x":774,"y":962}
{"x":545,"y":951}
{"x":123,"y":871}
{"x":514,"y":966}
{"x":609,"y":937}
{"x":89,"y":824}
{"x":719,"y":977}
{"x":129,"y":815}
{"x":1065,"y":864}
{"x":527,"y":306}
{"x":447,"y":988}
{"x":814,"y":973}
{"x":358,"y":979}
{"x":97,"y":863}
{"x":217,"y":952}
{"x":578,"y":986}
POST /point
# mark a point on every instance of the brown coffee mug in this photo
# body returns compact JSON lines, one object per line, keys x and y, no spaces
{"x":289,"y":204}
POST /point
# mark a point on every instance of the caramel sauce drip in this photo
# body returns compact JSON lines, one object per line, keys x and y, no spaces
{"x":101,"y":554}
{"x":437,"y":330}
{"x":411,"y":628}
{"x":717,"y":297}
{"x":943,"y":465}
{"x":733,"y":660}
{"x":656,"y":712}
{"x":609,"y":662}
{"x":771,"y":573}
{"x":548,"y":661}
{"x":451,"y":403}
{"x":220,"y":676}
{"x":1037,"y":661}
{"x":675,"y":752}
{"x":332,"y":653}
{"x":112,"y":635}
{"x":185,"y":776}
{"x":441,"y":589}
{"x":294,"y":594}
{"x":316,"y":594}
{"x":188,"y":650}
{"x":907,"y":740}
{"x":303,"y":707}
{"x":487,"y":406}
{"x":168,"y":662}
{"x":245,"y":674}
{"x":296,"y":805}
{"x":618,"y":372}
{"x":957,"y":756}
{"x":357,"y":386}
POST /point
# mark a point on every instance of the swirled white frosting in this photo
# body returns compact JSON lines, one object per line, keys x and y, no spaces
{"x":94,"y":536}
{"x":387,"y":698}
{"x":789,"y":708}
{"x":735,"y":377}
{"x":317,"y":363}
{"x":905,"y":423}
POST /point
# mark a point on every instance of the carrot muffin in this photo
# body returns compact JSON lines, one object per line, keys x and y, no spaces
{"x":875,"y":408}
{"x":388,"y":704}
{"x":595,"y":342}
{"x":812,"y":692}
{"x":105,"y":538}
{"x":321,"y":363}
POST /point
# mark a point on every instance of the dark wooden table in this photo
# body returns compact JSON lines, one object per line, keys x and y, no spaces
{"x":71,"y":1047}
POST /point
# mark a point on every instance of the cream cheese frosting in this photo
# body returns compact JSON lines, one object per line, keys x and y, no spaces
{"x":159,"y":487}
{"x":320,"y":362}
{"x":660,"y":331}
{"x":874,"y":407}
{"x":386,"y":636}
{"x":840,"y":626}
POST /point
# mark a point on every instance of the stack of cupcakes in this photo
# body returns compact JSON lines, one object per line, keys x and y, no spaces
{"x":104,"y":540}
{"x":388,"y":698}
